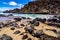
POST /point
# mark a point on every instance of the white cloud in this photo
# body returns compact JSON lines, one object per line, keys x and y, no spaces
{"x":12,"y":3}
{"x":20,"y":5}
{"x":8,"y":8}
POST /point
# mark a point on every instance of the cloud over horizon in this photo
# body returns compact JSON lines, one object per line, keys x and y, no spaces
{"x":9,"y":4}
{"x":12,"y":3}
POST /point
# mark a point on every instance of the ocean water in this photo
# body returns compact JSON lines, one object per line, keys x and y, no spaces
{"x":33,"y":16}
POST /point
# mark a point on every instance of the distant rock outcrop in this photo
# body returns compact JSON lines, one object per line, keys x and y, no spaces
{"x":42,"y":6}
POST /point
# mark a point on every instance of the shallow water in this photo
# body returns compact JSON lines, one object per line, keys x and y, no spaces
{"x":30,"y":15}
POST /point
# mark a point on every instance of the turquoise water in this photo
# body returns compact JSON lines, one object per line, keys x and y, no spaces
{"x":30,"y":15}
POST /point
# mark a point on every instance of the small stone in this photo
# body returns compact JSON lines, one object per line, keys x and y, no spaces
{"x":29,"y":39}
{"x":22,"y":25}
{"x":38,"y":33}
{"x":25,"y":36}
{"x":16,"y":32}
{"x":22,"y":34}
{"x":12,"y":28}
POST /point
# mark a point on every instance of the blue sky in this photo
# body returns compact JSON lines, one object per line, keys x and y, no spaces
{"x":11,"y":4}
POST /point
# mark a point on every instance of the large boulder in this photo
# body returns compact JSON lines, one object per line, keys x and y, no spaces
{"x":34,"y":22}
{"x":29,"y":30}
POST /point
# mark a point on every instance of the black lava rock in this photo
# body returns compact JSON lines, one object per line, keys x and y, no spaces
{"x":25,"y":36}
{"x":17,"y":19}
{"x":14,"y":24}
{"x":38,"y":33}
{"x":1,"y":25}
{"x":55,"y":31}
{"x":23,"y":17}
{"x":6,"y":37}
{"x":16,"y":32}
{"x":29,"y":39}
{"x":36,"y":23}
{"x":12,"y":28}
{"x":22,"y":25}
{"x":29,"y":30}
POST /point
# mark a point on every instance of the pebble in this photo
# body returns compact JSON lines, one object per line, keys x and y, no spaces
{"x":16,"y":32}
{"x":12,"y":28}
{"x":25,"y":36}
{"x":29,"y":39}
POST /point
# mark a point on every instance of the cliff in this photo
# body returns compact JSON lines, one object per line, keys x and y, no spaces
{"x":42,"y":6}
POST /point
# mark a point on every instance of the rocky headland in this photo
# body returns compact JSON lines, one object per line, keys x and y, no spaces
{"x":39,"y":7}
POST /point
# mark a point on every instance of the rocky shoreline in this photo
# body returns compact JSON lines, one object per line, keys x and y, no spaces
{"x":28,"y":29}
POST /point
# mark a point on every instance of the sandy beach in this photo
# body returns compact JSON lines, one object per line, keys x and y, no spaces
{"x":42,"y":26}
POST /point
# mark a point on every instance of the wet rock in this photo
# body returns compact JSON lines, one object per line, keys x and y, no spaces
{"x":23,"y":17}
{"x":41,"y":20}
{"x":29,"y":30}
{"x":12,"y":28}
{"x":28,"y":18}
{"x":10,"y":15}
{"x":16,"y":32}
{"x":25,"y":36}
{"x":29,"y":39}
{"x":6,"y":37}
{"x":17,"y":19}
{"x":38,"y":19}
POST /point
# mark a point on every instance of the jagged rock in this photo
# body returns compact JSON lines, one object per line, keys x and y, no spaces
{"x":16,"y":32}
{"x":6,"y":37}
{"x":25,"y":36}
